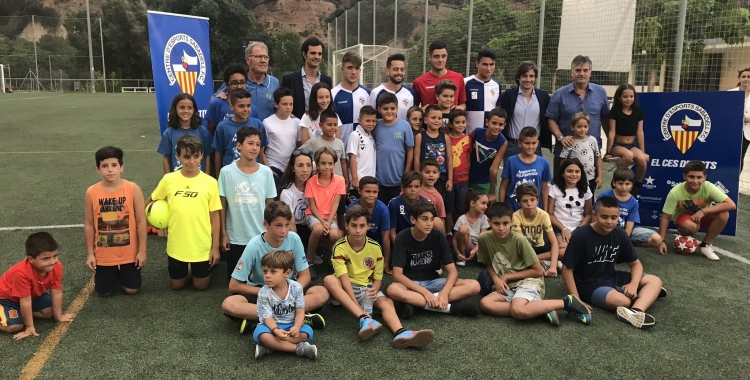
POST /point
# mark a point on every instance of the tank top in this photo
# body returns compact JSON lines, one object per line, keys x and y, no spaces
{"x":115,"y":227}
{"x":434,"y":148}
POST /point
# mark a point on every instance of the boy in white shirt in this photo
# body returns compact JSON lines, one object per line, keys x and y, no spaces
{"x":283,"y":131}
{"x":361,"y":150}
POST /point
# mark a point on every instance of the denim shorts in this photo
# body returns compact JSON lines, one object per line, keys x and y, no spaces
{"x":263,"y":329}
{"x":640,"y":235}
{"x":432,"y":286}
{"x":626,"y":146}
{"x":455,"y":200}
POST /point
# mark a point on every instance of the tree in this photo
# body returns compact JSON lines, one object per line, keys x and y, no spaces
{"x":285,"y":49}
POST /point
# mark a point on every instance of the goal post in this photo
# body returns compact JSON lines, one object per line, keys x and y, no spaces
{"x":374,"y":59}
{"x":2,"y":79}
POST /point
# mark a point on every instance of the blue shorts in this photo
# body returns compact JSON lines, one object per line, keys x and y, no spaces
{"x":641,"y":235}
{"x":263,"y":329}
{"x":599,"y":295}
{"x":455,"y":200}
{"x":432,"y":286}
{"x":626,"y":146}
{"x":10,"y":312}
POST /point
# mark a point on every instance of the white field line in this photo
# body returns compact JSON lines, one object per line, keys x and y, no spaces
{"x":37,"y":97}
{"x":17,"y":228}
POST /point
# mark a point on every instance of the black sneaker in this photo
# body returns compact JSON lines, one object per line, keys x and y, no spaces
{"x":663,"y":293}
{"x":636,"y":318}
{"x":577,"y":309}
{"x":315,"y":321}
{"x":404,"y":310}
{"x":464,"y":309}
{"x":246,"y":327}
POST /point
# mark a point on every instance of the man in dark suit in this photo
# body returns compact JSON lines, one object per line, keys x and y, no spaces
{"x":525,"y":106}
{"x":301,"y":82}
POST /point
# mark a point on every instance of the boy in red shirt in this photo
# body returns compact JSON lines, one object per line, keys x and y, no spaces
{"x":23,"y":288}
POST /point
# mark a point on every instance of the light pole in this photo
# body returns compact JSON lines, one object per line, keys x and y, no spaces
{"x":91,"y":49}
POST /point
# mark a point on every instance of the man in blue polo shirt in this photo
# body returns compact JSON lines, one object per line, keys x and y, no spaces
{"x":259,"y":84}
{"x":580,"y":95}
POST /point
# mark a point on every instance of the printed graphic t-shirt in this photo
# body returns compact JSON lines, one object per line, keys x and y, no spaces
{"x":115,"y":227}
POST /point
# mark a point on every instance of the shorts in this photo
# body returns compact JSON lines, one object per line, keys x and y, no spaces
{"x":455,"y":199}
{"x":360,"y":292}
{"x":276,"y":175}
{"x":253,"y":298}
{"x":598,"y":296}
{"x":592,"y":187}
{"x":484,"y":187}
{"x":432,"y":286}
{"x":303,"y":231}
{"x":626,"y":146}
{"x":469,"y":247}
{"x":529,"y":293}
{"x":440,"y":185}
{"x":10,"y":312}
{"x":263,"y":329}
{"x":106,"y":277}
{"x":233,"y":257}
{"x":641,"y":235}
{"x":311,"y":220}
{"x":705,"y":221}
{"x":386,"y":193}
{"x":559,"y":232}
{"x":542,"y":249}
{"x":179,"y":269}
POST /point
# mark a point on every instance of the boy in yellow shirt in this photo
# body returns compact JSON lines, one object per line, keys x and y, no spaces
{"x":534,"y":223}
{"x":194,"y":204}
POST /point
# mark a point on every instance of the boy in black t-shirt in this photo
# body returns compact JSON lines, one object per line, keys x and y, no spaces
{"x":589,"y":268}
{"x":417,"y":254}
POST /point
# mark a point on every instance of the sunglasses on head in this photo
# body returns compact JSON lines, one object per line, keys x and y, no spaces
{"x":298,"y":152}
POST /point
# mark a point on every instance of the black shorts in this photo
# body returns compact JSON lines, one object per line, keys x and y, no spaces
{"x":304,"y":233}
{"x":386,"y":193}
{"x":542,"y":249}
{"x":233,"y":256}
{"x":105,"y":277}
{"x":179,"y":269}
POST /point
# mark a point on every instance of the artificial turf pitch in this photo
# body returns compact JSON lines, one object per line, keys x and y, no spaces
{"x":47,"y":158}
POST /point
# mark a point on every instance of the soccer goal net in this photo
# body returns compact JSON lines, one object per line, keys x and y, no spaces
{"x":373,"y":63}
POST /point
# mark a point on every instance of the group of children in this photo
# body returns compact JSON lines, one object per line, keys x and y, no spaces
{"x":394,"y":221}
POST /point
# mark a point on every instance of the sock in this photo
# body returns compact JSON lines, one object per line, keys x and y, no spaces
{"x":363,"y":316}
{"x":399,"y":331}
{"x":447,"y":309}
{"x":566,"y":303}
{"x":636,"y":309}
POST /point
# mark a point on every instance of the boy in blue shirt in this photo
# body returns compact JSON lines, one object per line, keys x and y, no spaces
{"x":245,"y":188}
{"x":219,"y":109}
{"x":398,"y":208}
{"x":489,"y":145}
{"x":630,"y":218}
{"x":247,"y":278}
{"x":394,"y":148}
{"x":526,"y":167}
{"x":225,"y":138}
{"x":380,"y":220}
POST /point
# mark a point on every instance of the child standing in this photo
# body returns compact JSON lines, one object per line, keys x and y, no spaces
{"x":114,"y":226}
{"x":428,"y":190}
{"x":489,"y":146}
{"x":433,"y":143}
{"x":589,"y":268}
{"x":235,"y":78}
{"x":569,"y":204}
{"x":535,"y":224}
{"x":183,"y":119}
{"x":625,"y":138}
{"x":361,"y":150}
{"x":329,"y":125}
{"x":245,"y":188}
{"x":24,"y":288}
{"x":225,"y":138}
{"x":469,"y":226}
{"x":282,"y":129}
{"x":292,"y":186}
{"x":455,"y":199}
{"x":281,"y":310}
{"x":630,"y":218}
{"x":394,"y":144}
{"x":525,"y":167}
{"x":445,"y":92}
{"x":194,"y":222}
{"x":357,"y":281}
{"x":320,"y":100}
{"x":586,"y":150}
{"x":415,"y":117}
{"x":514,"y":273}
{"x":323,"y":192}
{"x":418,"y":254}
{"x":380,"y":219}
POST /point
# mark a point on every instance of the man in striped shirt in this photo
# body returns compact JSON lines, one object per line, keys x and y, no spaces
{"x":482,"y":91}
{"x":349,"y":96}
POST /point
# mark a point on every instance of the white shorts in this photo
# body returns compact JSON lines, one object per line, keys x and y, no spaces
{"x":360,"y":292}
{"x":528,"y":293}
{"x":311,"y":220}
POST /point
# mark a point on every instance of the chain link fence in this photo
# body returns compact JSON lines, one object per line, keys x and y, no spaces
{"x":655,"y":45}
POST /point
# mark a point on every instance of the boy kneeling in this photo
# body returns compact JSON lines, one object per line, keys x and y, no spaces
{"x":516,"y":275}
{"x":357,"y":279}
{"x":589,"y":268}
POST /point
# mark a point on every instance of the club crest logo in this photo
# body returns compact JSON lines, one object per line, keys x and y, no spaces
{"x":361,"y":100}
{"x":369,"y":263}
{"x":684,"y":123}
{"x":184,"y":62}
{"x":405,"y":102}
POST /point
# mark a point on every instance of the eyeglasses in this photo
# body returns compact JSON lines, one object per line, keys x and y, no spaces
{"x":299,"y":152}
{"x":260,"y":57}
{"x":237,"y":83}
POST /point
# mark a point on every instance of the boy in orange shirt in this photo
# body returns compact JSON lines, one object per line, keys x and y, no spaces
{"x":114,"y":226}
{"x":23,"y":288}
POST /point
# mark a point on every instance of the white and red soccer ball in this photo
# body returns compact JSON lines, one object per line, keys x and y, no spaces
{"x":685,"y":245}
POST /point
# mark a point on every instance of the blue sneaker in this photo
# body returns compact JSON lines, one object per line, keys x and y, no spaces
{"x":368,"y":327}
{"x":410,"y":338}
{"x":552,"y":318}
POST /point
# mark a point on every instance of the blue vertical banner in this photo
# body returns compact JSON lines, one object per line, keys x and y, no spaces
{"x":180,"y":60}
{"x":686,"y":126}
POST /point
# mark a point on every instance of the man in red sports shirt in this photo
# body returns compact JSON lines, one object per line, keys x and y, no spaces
{"x":425,"y":84}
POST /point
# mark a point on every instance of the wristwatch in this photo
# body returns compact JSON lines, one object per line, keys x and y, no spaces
{"x":559,"y":138}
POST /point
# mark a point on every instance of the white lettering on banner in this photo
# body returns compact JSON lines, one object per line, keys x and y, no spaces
{"x":668,"y":163}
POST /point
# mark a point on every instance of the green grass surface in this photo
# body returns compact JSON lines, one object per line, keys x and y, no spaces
{"x":160,"y":333}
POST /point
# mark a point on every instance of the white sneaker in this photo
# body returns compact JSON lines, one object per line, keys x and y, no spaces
{"x":559,"y":265}
{"x":546,"y":264}
{"x":460,"y":263}
{"x":317,"y":260}
{"x":709,"y":252}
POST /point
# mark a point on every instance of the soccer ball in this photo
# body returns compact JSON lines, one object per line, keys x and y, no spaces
{"x":157,"y":214}
{"x":685,"y":245}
